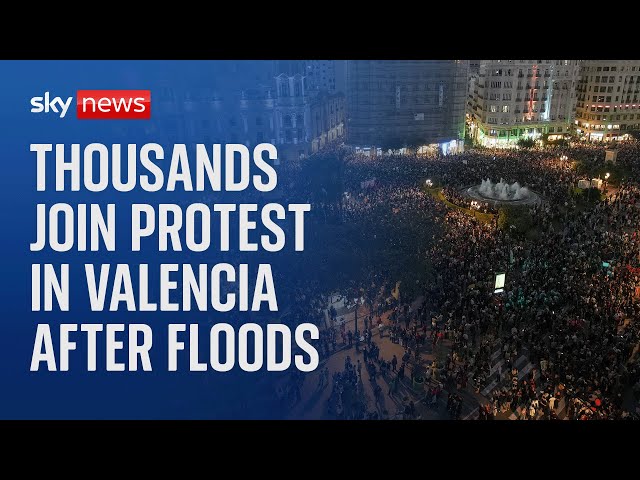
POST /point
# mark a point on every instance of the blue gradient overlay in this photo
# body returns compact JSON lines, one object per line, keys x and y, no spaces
{"x":105,"y":395}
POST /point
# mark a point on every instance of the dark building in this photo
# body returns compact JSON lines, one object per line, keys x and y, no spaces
{"x":405,"y":103}
{"x":250,"y":102}
{"x":327,"y":119}
{"x":326,"y":75}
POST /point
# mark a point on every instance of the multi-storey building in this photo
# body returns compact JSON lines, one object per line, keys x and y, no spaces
{"x":325,"y":75}
{"x":608,"y":105}
{"x":405,"y":103}
{"x":513,"y":99}
{"x":250,"y":102}
{"x":327,"y":119}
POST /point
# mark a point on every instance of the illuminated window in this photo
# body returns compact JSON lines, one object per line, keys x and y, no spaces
{"x":505,"y":108}
{"x":494,"y":109}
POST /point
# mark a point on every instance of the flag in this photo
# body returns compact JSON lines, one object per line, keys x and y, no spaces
{"x":396,"y":291}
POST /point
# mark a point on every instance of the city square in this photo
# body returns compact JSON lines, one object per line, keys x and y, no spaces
{"x":472,"y":248}
{"x":559,"y":342}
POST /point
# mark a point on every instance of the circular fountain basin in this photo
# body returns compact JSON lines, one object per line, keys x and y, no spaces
{"x":502,"y":193}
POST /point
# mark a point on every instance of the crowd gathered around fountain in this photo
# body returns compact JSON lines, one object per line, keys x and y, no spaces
{"x":569,"y":307}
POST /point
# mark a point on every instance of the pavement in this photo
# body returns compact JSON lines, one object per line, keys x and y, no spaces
{"x":314,"y":401}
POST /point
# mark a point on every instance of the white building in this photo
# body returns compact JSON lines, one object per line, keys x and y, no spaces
{"x":608,"y":99}
{"x":513,"y":99}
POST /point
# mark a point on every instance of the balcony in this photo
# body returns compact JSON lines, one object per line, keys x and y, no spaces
{"x":290,"y":101}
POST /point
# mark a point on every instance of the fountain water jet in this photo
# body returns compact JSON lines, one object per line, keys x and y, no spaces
{"x":502,"y":192}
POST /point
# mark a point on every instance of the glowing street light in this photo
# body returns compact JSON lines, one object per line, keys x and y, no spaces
{"x":606,"y":175}
{"x":429,"y":183}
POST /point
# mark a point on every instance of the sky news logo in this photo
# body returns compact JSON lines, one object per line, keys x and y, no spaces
{"x":98,"y":104}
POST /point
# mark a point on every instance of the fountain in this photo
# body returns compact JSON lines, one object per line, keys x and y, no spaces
{"x":502,"y":192}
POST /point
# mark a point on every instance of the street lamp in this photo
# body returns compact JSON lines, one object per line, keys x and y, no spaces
{"x":357,"y":302}
{"x":429,"y":183}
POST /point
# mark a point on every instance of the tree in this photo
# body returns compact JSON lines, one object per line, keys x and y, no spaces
{"x":526,"y":142}
{"x":323,"y":172}
{"x":394,"y":143}
{"x":518,"y":217}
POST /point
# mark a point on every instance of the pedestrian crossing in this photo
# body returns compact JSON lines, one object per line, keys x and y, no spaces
{"x":499,"y":364}
{"x":523,"y":365}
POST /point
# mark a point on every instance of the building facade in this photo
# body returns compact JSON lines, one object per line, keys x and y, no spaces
{"x":326,"y":75}
{"x":327,"y":119}
{"x":393,"y":104}
{"x":513,"y":99}
{"x":251,"y":102}
{"x":608,"y":99}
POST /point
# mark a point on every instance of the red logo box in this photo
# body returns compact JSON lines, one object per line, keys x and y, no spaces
{"x":113,"y":104}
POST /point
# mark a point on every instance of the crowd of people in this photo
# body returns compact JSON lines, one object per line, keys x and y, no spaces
{"x":569,"y":306}
{"x":456,"y":197}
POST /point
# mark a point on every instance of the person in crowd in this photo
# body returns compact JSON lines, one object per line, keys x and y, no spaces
{"x":564,"y":332}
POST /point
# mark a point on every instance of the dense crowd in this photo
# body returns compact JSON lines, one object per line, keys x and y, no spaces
{"x":458,"y":198}
{"x":569,"y":306}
